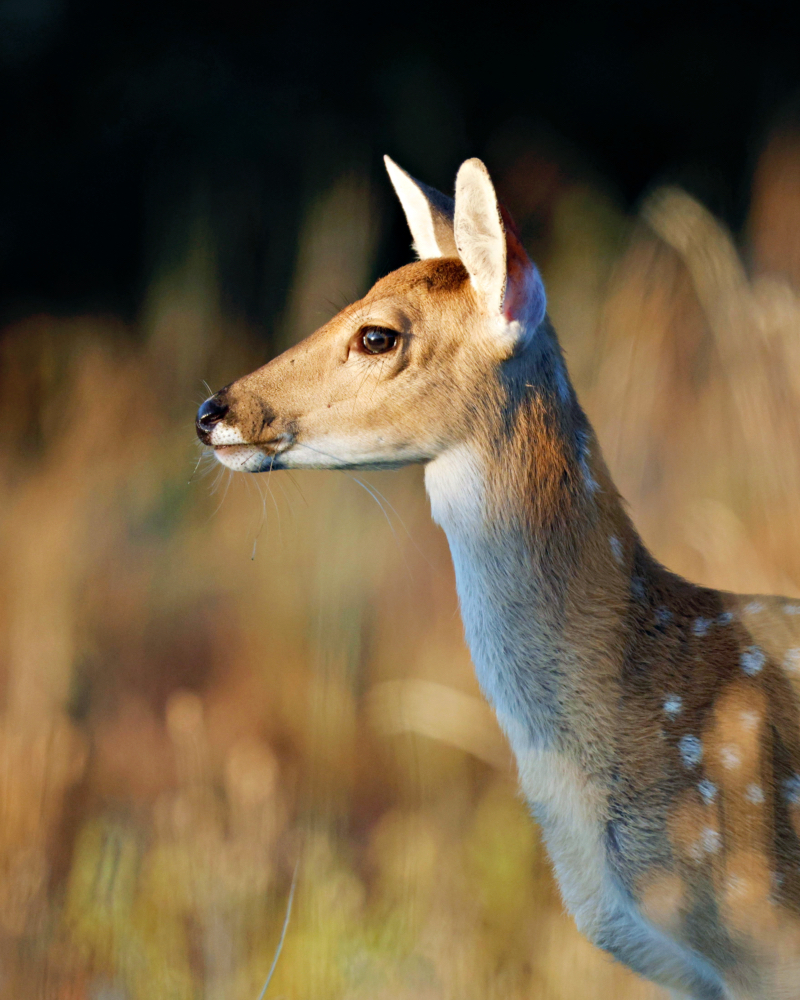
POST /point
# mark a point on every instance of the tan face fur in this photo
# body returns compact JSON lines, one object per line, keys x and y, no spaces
{"x":329,"y":403}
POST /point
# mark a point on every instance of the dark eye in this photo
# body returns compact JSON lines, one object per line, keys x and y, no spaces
{"x":377,"y":340}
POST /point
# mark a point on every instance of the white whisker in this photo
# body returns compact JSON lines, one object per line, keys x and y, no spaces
{"x":272,"y":498}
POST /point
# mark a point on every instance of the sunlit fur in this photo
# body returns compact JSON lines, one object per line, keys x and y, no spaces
{"x":654,"y":722}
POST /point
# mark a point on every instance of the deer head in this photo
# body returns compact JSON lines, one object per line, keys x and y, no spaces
{"x":401,"y":375}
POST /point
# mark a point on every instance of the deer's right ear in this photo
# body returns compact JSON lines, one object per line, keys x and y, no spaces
{"x":492,"y":253}
{"x":429,"y":214}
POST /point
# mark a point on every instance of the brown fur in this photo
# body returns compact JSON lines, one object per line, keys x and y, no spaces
{"x":731,"y":865}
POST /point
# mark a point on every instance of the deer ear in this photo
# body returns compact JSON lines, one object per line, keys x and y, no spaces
{"x":490,"y":249}
{"x":429,"y":214}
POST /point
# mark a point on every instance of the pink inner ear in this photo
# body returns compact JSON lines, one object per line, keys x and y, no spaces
{"x":524,"y":298}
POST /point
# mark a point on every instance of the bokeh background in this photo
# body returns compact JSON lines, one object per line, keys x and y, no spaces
{"x":210,"y":683}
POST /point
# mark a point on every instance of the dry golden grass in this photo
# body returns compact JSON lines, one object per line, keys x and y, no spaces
{"x":202,"y":688}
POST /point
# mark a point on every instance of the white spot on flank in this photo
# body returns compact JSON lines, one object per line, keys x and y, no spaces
{"x":673,"y":705}
{"x":752,"y":660}
{"x":708,"y":842}
{"x":725,"y":618}
{"x":791,"y":789}
{"x":730,"y":757}
{"x":754,"y":794}
{"x":637,"y":588}
{"x":701,"y":626}
{"x":711,"y":840}
{"x":791,"y":609}
{"x":753,"y":608}
{"x":616,"y":548}
{"x":791,"y":661}
{"x":708,"y":790}
{"x":663,"y":615}
{"x":691,"y":750}
{"x":750,"y":719}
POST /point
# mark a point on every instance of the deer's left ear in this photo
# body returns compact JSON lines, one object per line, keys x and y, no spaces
{"x":429,"y":213}
{"x":492,"y":253}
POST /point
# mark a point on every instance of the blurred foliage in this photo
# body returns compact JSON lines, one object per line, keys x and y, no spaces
{"x":208,"y":680}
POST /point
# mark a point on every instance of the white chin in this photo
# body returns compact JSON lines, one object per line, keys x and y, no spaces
{"x":242,"y":457}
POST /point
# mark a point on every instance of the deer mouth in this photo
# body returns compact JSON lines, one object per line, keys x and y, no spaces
{"x":261,"y":457}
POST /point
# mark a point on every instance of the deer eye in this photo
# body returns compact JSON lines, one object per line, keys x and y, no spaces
{"x":378,"y":340}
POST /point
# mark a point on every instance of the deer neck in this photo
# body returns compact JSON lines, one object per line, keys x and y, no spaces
{"x":542,"y":552}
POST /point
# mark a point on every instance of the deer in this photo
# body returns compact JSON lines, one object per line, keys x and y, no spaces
{"x":655,"y":723}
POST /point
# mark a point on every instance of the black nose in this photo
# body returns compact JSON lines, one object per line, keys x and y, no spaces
{"x":209,"y":414}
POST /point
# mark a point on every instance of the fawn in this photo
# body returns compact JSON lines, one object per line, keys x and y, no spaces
{"x":655,"y":723}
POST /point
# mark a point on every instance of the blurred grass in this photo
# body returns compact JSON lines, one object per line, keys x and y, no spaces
{"x":203,"y":684}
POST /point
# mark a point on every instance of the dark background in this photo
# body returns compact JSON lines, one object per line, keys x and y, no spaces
{"x":119,"y":120}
